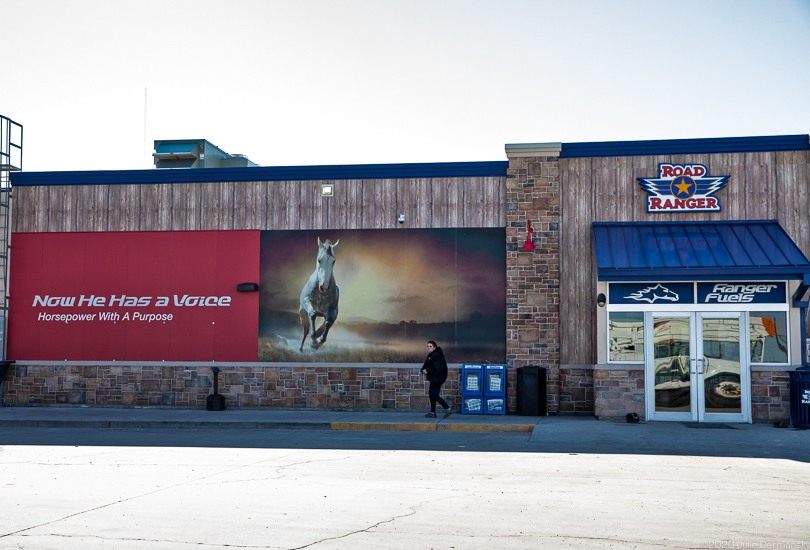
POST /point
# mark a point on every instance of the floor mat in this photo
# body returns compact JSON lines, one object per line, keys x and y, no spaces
{"x":708,"y":425}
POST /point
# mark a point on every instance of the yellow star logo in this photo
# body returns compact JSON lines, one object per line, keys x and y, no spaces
{"x":683,"y":187}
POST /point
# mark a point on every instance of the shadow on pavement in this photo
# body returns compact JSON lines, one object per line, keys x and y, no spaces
{"x":551,"y":435}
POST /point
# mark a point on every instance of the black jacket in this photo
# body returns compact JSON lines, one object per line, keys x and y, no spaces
{"x":436,"y":367}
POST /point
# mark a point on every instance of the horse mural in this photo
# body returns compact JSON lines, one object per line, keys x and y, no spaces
{"x":319,"y":297}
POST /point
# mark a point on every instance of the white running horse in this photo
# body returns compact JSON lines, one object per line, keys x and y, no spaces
{"x":320,"y":296}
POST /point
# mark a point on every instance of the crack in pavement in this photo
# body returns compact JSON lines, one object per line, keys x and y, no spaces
{"x":413,"y":511}
{"x":674,"y":544}
{"x":278,"y":469}
{"x":283,"y":475}
{"x":365,"y":530}
{"x":250,"y":480}
{"x":178,"y":542}
{"x":788,"y":480}
{"x":187,"y":482}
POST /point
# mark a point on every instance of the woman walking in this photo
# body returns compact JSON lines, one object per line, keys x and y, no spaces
{"x":435,"y":368}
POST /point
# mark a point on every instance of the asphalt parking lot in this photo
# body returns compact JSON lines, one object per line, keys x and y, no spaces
{"x":569,"y":483}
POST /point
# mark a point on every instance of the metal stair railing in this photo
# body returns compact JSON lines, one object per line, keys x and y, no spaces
{"x":11,"y":141}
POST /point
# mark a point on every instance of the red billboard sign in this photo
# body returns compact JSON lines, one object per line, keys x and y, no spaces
{"x":133,"y":296}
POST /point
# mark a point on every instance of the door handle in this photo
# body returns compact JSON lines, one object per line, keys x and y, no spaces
{"x":701,"y":366}
{"x":692,"y":366}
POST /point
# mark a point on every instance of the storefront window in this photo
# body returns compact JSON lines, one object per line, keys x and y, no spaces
{"x":768,"y":333}
{"x":626,"y":334}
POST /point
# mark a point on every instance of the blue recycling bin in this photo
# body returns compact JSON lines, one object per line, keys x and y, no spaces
{"x":495,"y":389}
{"x":800,"y":397}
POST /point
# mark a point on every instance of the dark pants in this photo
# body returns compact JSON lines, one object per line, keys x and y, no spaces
{"x":433,"y":393}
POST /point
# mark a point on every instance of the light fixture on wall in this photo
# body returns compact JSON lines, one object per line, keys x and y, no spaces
{"x":327,"y":190}
{"x":601,"y":300}
{"x":529,"y":246}
{"x":401,"y":218}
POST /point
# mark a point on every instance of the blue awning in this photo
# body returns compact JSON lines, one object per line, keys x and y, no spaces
{"x":694,"y":251}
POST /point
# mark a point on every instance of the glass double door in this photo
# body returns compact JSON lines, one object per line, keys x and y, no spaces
{"x":697,"y":368}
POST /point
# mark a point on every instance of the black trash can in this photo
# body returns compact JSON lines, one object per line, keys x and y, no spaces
{"x":531,"y":391}
{"x":800,"y":397}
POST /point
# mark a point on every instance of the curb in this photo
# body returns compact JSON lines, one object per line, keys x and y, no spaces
{"x":354,"y":426}
{"x":430,"y":427}
{"x":169,"y":424}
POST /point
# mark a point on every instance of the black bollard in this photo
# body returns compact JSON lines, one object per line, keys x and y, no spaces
{"x":215,"y":401}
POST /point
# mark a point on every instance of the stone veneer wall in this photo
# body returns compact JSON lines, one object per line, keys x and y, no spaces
{"x":770,"y":395}
{"x":533,"y":278}
{"x":618,"y":392}
{"x":576,"y":390}
{"x":376,"y":386}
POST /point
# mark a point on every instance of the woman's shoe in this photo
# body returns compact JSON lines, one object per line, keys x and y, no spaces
{"x":430,"y":415}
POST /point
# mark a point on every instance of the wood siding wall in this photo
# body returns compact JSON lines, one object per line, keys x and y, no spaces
{"x":357,"y":204}
{"x":761,"y":186}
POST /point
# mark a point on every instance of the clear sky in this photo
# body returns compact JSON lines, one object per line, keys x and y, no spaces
{"x":305,"y":82}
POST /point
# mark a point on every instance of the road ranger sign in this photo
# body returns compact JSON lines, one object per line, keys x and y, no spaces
{"x":682,"y":188}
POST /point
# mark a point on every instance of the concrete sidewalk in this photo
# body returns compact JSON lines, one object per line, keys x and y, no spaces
{"x":552,"y":434}
{"x":260,"y":419}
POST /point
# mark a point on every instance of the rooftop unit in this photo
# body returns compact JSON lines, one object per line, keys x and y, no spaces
{"x":195,"y":153}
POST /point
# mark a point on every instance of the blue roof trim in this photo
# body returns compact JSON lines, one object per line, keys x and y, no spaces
{"x":261,"y":173}
{"x":696,"y":251}
{"x":800,"y":142}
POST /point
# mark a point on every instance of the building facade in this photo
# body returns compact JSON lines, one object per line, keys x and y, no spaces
{"x":663,"y":278}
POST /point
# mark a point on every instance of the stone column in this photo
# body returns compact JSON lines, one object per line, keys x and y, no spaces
{"x":533,"y":277}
